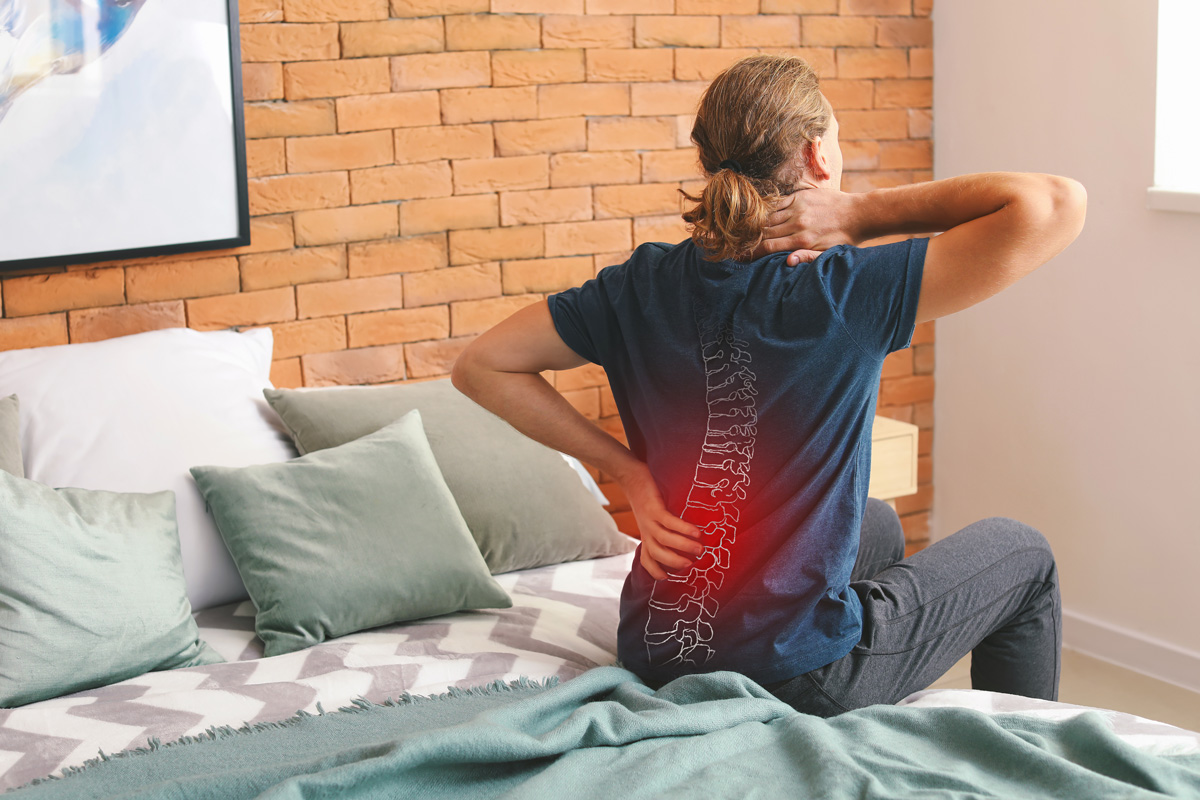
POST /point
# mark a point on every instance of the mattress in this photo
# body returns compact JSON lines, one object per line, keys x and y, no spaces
{"x":563,"y":622}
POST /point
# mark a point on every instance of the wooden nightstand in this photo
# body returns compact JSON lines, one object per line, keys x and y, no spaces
{"x":893,"y":459}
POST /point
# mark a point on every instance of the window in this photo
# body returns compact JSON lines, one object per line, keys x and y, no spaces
{"x":1177,"y":109}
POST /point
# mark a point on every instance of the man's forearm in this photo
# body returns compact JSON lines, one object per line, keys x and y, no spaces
{"x":530,"y":404}
{"x":935,"y":206}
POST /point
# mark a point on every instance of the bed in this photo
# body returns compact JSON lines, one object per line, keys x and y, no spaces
{"x":523,"y":700}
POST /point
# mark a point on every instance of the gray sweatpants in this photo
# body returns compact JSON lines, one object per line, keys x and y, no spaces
{"x":991,"y":590}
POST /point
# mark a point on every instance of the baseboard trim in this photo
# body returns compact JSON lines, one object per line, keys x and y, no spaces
{"x":1131,"y":650}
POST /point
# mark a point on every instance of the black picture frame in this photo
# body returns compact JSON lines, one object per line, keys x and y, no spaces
{"x":242,"y":236}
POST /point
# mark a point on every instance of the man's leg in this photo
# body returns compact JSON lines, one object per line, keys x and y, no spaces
{"x":990,"y":589}
{"x":881,"y":542}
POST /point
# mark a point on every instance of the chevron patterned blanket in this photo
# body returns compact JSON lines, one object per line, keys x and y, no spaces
{"x":562,"y":623}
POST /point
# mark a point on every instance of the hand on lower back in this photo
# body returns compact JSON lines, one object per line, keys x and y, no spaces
{"x":669,"y":544}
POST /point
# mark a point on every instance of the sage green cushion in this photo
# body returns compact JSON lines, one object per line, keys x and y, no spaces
{"x":348,"y":538}
{"x":91,"y":590}
{"x":524,"y":505}
{"x":10,"y":437}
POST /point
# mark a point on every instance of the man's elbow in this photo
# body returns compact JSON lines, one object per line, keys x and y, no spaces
{"x":463,"y":371}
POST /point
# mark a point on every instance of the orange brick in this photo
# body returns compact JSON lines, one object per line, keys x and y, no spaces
{"x":923,"y":359}
{"x":476,"y":316}
{"x":545,"y":274}
{"x":95,"y":324}
{"x":266,"y":233}
{"x":873,"y":125}
{"x":541,"y":136}
{"x":760,"y":31}
{"x":349,"y":296}
{"x":898,"y":364}
{"x":608,"y":408}
{"x":849,"y":94}
{"x":677,"y":97}
{"x":678,"y":31}
{"x":440,"y":71}
{"x":560,"y":31}
{"x":669,"y":228}
{"x":38,"y":294}
{"x":587,"y":169}
{"x":922,"y":8}
{"x":393,"y":37}
{"x":920,"y":62}
{"x":871,"y":62}
{"x":38,"y":331}
{"x":403,"y":182}
{"x":414,"y":145}
{"x":477,"y":175}
{"x":452,"y":283}
{"x":630,"y":7}
{"x":366,"y":112}
{"x":905,"y":32}
{"x":671,"y":165}
{"x":398,"y":326}
{"x":414,"y":254}
{"x":916,"y":154}
{"x":309,"y":336}
{"x":920,"y":123}
{"x":633,"y":133}
{"x":639,"y":200}
{"x":583,"y":100}
{"x":537,"y":6}
{"x":353,"y":224}
{"x":630,"y":65}
{"x":281,"y":193}
{"x":584,"y":238}
{"x":265,"y":157}
{"x":545,"y":205}
{"x":904,"y":94}
{"x":435,"y":8}
{"x":334,"y":10}
{"x":603,"y":260}
{"x":353,"y":367}
{"x":179,"y":279}
{"x":260,"y":11}
{"x":308,"y":264}
{"x":492,"y":32}
{"x":270,"y":120}
{"x":799,"y":6}
{"x":286,"y":374}
{"x":880,"y":8}
{"x":262,"y":81}
{"x":310,"y":79}
{"x":859,"y":155}
{"x":342,"y":151}
{"x":839,"y":31}
{"x":494,"y":244}
{"x":245,"y":308}
{"x":716,"y":7}
{"x":283,"y":42}
{"x":449,"y":214}
{"x":521,"y":68}
{"x":868,"y":181}
{"x":427,"y":359}
{"x":704,"y":64}
{"x":486,"y":105}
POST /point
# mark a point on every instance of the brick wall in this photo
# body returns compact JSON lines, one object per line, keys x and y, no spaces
{"x":419,"y":170}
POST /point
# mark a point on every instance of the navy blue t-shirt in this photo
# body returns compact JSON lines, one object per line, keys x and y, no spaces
{"x":749,"y":390}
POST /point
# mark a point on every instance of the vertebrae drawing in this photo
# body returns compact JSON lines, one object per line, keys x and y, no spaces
{"x":682,"y":606}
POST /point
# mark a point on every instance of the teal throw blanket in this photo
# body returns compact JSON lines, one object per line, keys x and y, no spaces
{"x":606,"y":734}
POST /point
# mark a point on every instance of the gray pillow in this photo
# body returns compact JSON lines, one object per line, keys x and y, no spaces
{"x":348,"y":538}
{"x":10,"y":436}
{"x":524,"y":505}
{"x":91,"y":590}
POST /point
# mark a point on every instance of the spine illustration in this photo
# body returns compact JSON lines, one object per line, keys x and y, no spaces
{"x":682,"y":606}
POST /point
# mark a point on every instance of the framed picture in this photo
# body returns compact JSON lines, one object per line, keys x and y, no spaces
{"x":120,"y":130}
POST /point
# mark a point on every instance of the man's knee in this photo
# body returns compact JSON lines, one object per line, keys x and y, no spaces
{"x":1024,"y":537}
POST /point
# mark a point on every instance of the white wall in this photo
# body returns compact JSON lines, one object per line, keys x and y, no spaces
{"x":1071,"y":401}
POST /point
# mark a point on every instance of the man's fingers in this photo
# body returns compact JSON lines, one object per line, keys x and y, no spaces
{"x":802,"y":257}
{"x":680,"y":542}
{"x":651,"y":567}
{"x":674,"y":523}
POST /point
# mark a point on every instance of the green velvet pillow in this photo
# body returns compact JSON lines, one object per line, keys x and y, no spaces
{"x":524,"y":505}
{"x":348,"y":538}
{"x":91,"y":590}
{"x":10,"y":440}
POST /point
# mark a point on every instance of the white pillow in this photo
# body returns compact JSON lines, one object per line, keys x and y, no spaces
{"x":589,"y":483}
{"x":135,"y":413}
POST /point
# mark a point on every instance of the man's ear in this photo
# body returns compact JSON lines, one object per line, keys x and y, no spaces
{"x":818,"y":160}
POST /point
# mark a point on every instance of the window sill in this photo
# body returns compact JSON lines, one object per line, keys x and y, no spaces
{"x":1172,"y":200}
